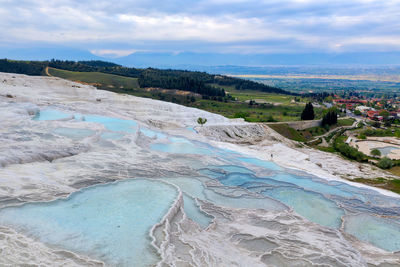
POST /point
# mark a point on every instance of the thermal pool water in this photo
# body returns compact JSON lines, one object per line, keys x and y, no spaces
{"x":112,"y":222}
{"x":108,"y":222}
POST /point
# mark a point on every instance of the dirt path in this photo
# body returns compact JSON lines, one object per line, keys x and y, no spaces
{"x":47,"y":72}
{"x":335,"y":130}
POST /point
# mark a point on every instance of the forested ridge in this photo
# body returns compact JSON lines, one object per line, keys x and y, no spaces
{"x":22,"y":67}
{"x":194,"y":81}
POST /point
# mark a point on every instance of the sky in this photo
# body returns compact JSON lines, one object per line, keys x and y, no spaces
{"x":119,"y":28}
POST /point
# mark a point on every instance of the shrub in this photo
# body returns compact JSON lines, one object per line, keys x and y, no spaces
{"x":387,"y":124}
{"x":241,"y":114}
{"x":375,"y":152}
{"x":271,"y":119}
{"x":201,"y":121}
{"x":385,"y":163}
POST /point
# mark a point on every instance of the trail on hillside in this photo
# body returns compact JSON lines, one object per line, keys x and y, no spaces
{"x":47,"y":72}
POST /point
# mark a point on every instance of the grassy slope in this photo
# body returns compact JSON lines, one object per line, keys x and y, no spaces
{"x":106,"y":80}
{"x":287,"y":131}
{"x":392,"y":185}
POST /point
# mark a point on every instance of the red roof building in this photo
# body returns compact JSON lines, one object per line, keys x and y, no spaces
{"x":372,"y":114}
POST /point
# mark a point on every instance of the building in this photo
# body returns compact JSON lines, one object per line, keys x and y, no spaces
{"x":372,"y":114}
{"x":364,"y":109}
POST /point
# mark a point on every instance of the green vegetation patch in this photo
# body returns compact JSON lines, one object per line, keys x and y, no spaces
{"x":385,"y":163}
{"x":267,"y":97}
{"x":345,"y":122}
{"x":251,"y":113}
{"x":313,"y":131}
{"x":103,"y":80}
{"x":349,"y":151}
{"x":380,"y":132}
{"x":326,"y":149}
{"x":376,"y":152}
{"x":288,"y":132}
{"x":392,"y":185}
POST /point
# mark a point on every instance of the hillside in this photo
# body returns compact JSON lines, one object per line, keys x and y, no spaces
{"x":96,"y":78}
{"x":193,"y":81}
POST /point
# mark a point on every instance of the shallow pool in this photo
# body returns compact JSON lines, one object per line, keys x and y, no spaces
{"x":51,"y":114}
{"x":258,"y":184}
{"x":382,"y":232}
{"x":107,"y":222}
{"x":387,"y":150}
{"x":181,"y":146}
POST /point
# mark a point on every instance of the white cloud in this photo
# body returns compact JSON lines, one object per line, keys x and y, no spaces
{"x":114,"y":53}
{"x":267,"y":25}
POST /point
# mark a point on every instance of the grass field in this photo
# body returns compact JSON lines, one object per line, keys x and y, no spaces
{"x":254,"y":113}
{"x":242,"y":95}
{"x":101,"y":79}
{"x":270,"y":98}
{"x":345,"y":122}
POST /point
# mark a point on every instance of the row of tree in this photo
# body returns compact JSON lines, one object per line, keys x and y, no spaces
{"x":329,"y":118}
{"x":22,"y":67}
{"x":157,"y":79}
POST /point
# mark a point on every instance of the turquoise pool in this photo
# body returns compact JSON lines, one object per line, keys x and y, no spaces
{"x":268,"y":186}
{"x":107,"y":222}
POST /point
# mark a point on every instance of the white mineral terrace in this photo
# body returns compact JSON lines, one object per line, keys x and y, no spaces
{"x":92,"y":178}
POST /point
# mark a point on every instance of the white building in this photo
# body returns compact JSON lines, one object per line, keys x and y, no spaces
{"x":364,"y":109}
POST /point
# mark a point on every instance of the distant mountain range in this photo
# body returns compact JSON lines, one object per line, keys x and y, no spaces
{"x":213,"y":62}
{"x":189,"y":60}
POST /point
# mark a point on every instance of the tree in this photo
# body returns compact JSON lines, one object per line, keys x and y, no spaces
{"x":387,"y":123}
{"x":384,"y":113}
{"x":308,"y":112}
{"x":330,"y":118}
{"x":376,"y":124}
{"x":201,"y":121}
{"x":329,"y":99}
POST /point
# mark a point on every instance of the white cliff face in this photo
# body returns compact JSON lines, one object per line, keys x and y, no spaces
{"x":45,"y":160}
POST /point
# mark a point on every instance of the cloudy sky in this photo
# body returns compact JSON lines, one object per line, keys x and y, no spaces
{"x":118,"y":28}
